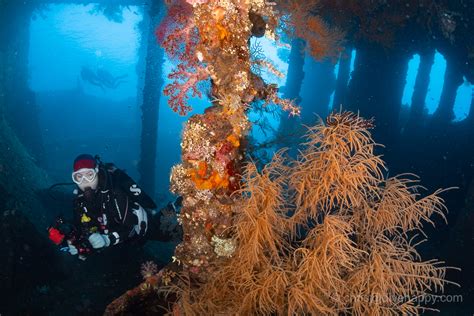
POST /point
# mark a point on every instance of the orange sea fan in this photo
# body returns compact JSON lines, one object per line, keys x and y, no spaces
{"x":338,"y":168}
{"x":326,"y":256}
{"x":261,"y":221}
{"x":401,"y":209}
{"x":300,"y":19}
{"x":356,"y":252}
{"x":391,"y":278}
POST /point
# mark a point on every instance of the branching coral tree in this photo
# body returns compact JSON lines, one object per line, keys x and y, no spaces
{"x":326,"y":234}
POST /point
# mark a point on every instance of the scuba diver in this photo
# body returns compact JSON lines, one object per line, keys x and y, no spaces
{"x":102,"y":78}
{"x":109,"y":208}
{"x":109,"y":80}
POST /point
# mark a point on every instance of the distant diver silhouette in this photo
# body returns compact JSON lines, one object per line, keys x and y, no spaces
{"x":102,"y":78}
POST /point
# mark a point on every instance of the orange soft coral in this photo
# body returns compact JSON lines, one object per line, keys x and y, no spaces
{"x":234,"y":140}
{"x":214,"y":181}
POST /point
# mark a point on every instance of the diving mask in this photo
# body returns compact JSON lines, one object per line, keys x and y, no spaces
{"x":84,"y":174}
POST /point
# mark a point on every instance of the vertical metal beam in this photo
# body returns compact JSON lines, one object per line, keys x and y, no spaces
{"x":151,"y":101}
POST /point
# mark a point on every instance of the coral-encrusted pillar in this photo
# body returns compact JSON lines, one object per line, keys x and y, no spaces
{"x":210,"y":39}
{"x":211,"y":146}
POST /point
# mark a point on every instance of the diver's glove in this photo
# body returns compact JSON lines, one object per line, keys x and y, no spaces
{"x":73,"y":250}
{"x":99,"y":241}
{"x":70,"y":248}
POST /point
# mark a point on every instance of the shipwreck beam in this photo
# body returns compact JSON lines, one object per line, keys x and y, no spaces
{"x":151,"y":101}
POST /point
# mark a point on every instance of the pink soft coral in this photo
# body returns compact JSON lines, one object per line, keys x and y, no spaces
{"x":179,"y":37}
{"x":177,"y":33}
{"x":184,"y":80}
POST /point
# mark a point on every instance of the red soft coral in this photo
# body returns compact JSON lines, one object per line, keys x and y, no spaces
{"x":177,"y":33}
{"x":179,"y":37}
{"x":185,"y":79}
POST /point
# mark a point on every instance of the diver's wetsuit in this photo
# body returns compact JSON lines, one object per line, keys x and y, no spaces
{"x":112,"y":209}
